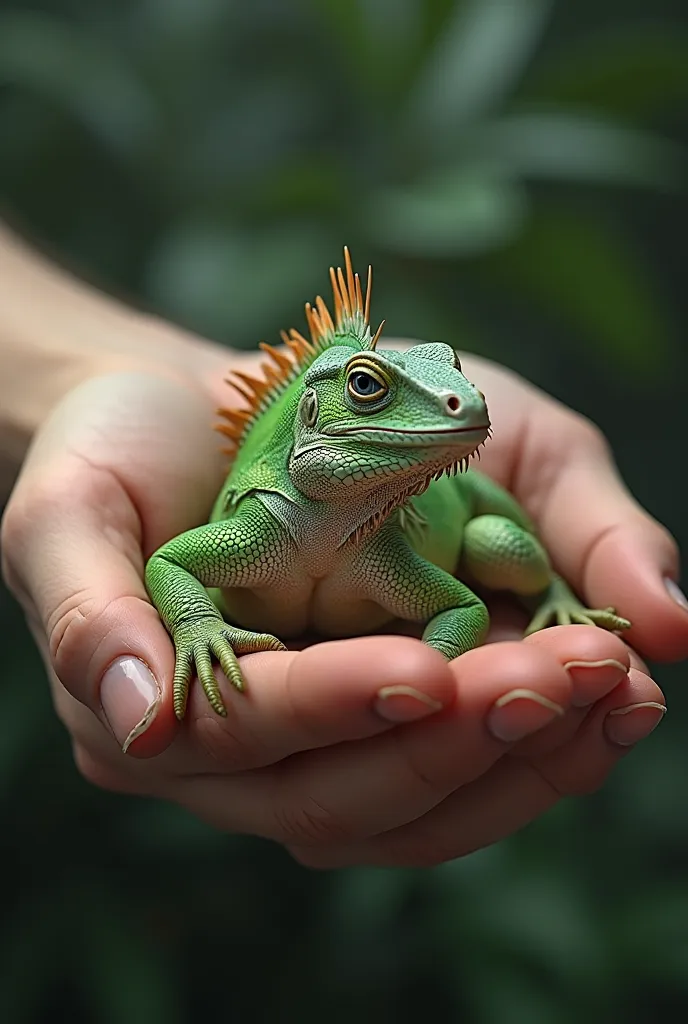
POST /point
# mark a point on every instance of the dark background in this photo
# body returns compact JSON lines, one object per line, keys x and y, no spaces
{"x":515,"y":172}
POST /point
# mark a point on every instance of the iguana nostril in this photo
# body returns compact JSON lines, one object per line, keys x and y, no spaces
{"x":453,"y":404}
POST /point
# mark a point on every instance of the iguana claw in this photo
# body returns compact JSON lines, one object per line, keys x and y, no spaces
{"x":196,"y":643}
{"x":560,"y":607}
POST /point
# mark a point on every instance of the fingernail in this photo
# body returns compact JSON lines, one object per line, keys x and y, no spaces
{"x":591,"y":677}
{"x":404,"y":704}
{"x":130,"y":698}
{"x":676,"y":593}
{"x":519,"y":713}
{"x":627,"y":726}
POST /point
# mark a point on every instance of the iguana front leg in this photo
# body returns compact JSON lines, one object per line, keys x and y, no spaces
{"x":393,"y":575}
{"x":248,"y":549}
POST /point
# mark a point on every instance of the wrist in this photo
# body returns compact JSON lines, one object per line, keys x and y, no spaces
{"x":56,"y":332}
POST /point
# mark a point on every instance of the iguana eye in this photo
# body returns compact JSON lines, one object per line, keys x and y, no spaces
{"x":308,"y":408}
{"x":365,"y":386}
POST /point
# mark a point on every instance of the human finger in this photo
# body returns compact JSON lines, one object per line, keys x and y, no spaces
{"x":330,"y":693}
{"x":602,"y":542}
{"x":75,"y":532}
{"x":354,"y":789}
{"x":513,"y":793}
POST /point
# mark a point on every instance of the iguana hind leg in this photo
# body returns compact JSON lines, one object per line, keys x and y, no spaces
{"x":502,"y":555}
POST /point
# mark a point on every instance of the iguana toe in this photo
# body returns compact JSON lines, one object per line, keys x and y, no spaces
{"x":197,"y":643}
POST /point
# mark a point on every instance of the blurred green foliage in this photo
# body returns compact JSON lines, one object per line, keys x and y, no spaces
{"x":514,"y":171}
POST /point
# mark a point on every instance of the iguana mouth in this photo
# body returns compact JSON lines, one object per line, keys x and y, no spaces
{"x":420,"y":436}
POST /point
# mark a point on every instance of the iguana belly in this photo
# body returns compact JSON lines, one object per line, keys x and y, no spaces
{"x":317,"y":594}
{"x":325,"y":606}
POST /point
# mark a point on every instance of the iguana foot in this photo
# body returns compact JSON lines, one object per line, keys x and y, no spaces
{"x":562,"y":608}
{"x":197,"y":642}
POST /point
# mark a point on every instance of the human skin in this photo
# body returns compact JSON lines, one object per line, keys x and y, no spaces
{"x":369,"y":750}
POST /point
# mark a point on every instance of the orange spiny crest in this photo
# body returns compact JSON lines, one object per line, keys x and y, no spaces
{"x":350,"y":285}
{"x":234,"y":428}
{"x":256,"y":385}
{"x":272,"y":376}
{"x":348,"y":297}
{"x":237,"y":417}
{"x":351,"y":311}
{"x":376,"y":336}
{"x":369,"y":285}
{"x":303,"y":347}
{"x":284,"y":364}
{"x":343,"y":291}
{"x":359,"y":296}
{"x":324,"y":314}
{"x":229,"y":431}
{"x":240,"y":389}
{"x":313,"y":321}
{"x":338,"y":305}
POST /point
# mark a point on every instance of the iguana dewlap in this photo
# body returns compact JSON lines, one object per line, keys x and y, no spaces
{"x":344,"y":508}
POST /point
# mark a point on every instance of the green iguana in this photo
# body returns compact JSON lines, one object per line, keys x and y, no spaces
{"x":343,"y":511}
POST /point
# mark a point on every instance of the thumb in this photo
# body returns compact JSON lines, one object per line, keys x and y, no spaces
{"x":91,"y":497}
{"x":75,"y":576}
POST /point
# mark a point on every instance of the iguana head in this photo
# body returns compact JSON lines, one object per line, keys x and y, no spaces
{"x":384,"y":420}
{"x":344,"y":419}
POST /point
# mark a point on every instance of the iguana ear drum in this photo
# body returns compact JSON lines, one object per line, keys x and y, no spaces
{"x":308,"y":408}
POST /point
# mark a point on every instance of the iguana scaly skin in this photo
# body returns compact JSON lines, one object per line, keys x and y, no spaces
{"x":342,"y":510}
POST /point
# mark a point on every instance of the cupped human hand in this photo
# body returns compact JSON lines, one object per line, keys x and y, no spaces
{"x":369,"y":750}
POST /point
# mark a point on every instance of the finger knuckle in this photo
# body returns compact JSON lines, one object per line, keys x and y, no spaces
{"x":581,"y":777}
{"x":70,"y":630}
{"x":588,"y":779}
{"x":224,"y":742}
{"x":589,"y":436}
{"x":81,"y":634}
{"x":426,"y":772}
{"x":303,"y":708}
{"x":663,"y":538}
{"x":309,"y":823}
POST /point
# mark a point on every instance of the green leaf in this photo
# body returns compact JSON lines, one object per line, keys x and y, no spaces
{"x":632,"y":73}
{"x":478,"y":59}
{"x":379,"y":41}
{"x":233,"y":284}
{"x":584,"y":271}
{"x":77,"y":71}
{"x":505,"y":992}
{"x":575,"y":147}
{"x":451,"y":214}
